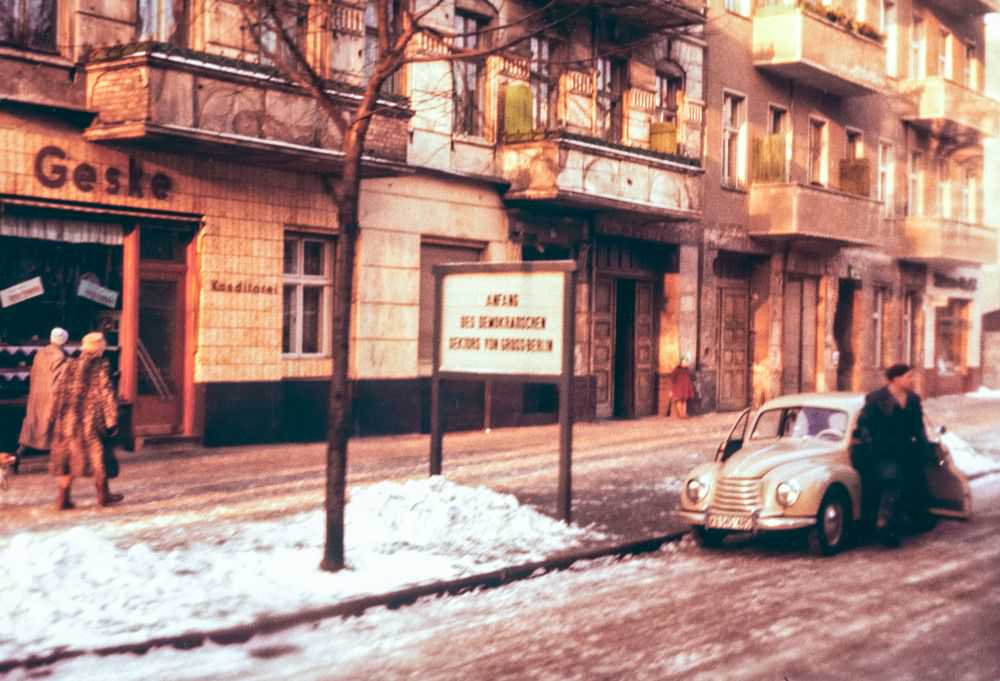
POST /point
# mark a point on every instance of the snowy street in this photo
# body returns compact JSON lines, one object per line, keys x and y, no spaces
{"x":221,"y":537}
{"x":928,"y":611}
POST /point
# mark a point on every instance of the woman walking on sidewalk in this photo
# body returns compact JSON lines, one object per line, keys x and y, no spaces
{"x":86,"y":414}
{"x":47,"y":366}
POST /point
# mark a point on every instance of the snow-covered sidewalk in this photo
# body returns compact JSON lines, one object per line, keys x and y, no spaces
{"x":79,"y":589}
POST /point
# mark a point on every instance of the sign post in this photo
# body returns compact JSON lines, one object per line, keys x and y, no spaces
{"x":507,"y":322}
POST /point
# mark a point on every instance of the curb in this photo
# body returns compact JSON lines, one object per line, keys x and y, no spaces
{"x":242,"y":633}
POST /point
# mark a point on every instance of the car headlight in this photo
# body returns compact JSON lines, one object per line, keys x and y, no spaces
{"x":788,"y":493}
{"x":696,"y":489}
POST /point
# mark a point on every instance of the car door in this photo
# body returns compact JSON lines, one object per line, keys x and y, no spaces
{"x":948,"y":487}
{"x":737,"y":434}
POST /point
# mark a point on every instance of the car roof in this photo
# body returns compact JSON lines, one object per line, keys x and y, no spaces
{"x":848,"y":401}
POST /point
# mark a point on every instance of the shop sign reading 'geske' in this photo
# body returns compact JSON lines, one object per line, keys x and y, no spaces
{"x":502,"y":323}
{"x":53,"y":171}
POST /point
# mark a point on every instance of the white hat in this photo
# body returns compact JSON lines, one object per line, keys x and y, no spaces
{"x":59,"y":336}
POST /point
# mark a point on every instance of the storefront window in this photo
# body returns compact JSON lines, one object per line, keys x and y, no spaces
{"x":307,"y":295}
{"x":55,"y":272}
{"x":952,"y":335}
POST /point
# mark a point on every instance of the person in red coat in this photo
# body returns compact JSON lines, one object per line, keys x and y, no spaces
{"x":681,"y":388}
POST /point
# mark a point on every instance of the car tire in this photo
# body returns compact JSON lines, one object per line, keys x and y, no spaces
{"x":708,"y":539}
{"x":833,"y":520}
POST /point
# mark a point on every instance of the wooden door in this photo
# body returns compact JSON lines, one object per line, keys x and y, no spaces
{"x":603,"y":340}
{"x":644,"y":339}
{"x":734,"y":307}
{"x":160,"y":352}
{"x":799,"y":336}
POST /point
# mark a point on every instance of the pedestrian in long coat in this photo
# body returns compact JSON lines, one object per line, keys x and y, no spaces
{"x":86,"y":415}
{"x":47,"y":365}
{"x":890,"y":452}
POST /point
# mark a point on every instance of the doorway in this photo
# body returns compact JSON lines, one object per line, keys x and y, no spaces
{"x":799,"y":337}
{"x":843,"y":333}
{"x":160,"y":344}
{"x":624,"y":349}
{"x":734,"y":343}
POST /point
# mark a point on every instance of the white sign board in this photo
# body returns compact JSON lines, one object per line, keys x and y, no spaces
{"x":502,"y":323}
{"x":91,"y":291}
{"x":18,"y":293}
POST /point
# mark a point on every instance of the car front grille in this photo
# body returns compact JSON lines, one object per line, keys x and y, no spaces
{"x":737,"y":495}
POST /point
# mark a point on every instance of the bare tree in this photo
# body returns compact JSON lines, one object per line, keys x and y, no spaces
{"x":398,"y":25}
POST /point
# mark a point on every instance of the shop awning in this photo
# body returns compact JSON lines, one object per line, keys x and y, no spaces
{"x":61,"y":229}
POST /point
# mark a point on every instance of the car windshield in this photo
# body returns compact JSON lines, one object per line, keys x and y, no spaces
{"x":800,"y":422}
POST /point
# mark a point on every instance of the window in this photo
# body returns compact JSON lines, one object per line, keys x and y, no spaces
{"x":733,"y":144}
{"x":855,"y":145}
{"x":394,"y":84}
{"x":952,"y":336}
{"x":432,"y":254}
{"x":888,"y":27}
{"x":468,"y":92}
{"x":969,"y":207}
{"x":878,"y":324}
{"x":915,"y":195}
{"x":943,"y":189}
{"x":307,"y":295}
{"x":610,"y":91}
{"x":162,"y":20}
{"x":917,"y":50}
{"x":777,"y":120}
{"x":273,"y":50}
{"x":909,"y":327}
{"x":738,"y":6}
{"x":30,"y":24}
{"x":944,"y":55}
{"x":885,"y":178}
{"x":971,"y":77}
{"x":668,"y":94}
{"x":543,"y":84}
{"x":818,"y":152}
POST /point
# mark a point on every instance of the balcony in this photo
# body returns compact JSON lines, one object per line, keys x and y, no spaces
{"x":161,"y":96}
{"x":824,"y":51}
{"x":948,"y":109}
{"x":968,"y":8}
{"x":574,"y":170}
{"x":947,"y":242}
{"x":648,"y":16}
{"x":789,"y":210}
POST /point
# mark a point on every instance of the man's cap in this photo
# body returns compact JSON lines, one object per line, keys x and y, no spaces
{"x":897,"y":370}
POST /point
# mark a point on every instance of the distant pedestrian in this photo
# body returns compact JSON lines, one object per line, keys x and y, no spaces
{"x":46,"y":367}
{"x":890,"y":452}
{"x":86,"y":416}
{"x":681,"y":388}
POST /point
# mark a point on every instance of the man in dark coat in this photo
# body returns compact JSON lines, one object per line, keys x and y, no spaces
{"x":890,"y":452}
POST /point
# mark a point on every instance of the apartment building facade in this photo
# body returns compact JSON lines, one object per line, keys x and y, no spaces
{"x":162,"y":181}
{"x":843,"y":218}
{"x":782,"y":196}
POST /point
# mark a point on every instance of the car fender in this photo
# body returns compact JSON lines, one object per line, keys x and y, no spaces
{"x":814,"y":478}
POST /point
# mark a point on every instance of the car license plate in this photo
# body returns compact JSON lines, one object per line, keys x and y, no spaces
{"x":743,"y":523}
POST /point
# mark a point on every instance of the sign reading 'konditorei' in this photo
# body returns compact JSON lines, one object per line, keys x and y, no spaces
{"x":502,"y":323}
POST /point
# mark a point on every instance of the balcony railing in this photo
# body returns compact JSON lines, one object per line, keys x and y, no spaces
{"x":770,"y":164}
{"x":820,"y":47}
{"x":790,"y":210}
{"x":156,"y":93}
{"x":948,"y":242}
{"x":948,"y":109}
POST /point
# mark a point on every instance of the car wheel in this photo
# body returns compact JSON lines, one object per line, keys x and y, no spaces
{"x":708,"y":539}
{"x":829,"y":534}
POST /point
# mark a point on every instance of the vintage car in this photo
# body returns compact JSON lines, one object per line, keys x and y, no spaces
{"x":787,"y":466}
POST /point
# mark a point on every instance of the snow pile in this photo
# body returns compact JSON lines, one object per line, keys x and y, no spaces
{"x":967,"y":459}
{"x":78,"y":589}
{"x":985,"y":393}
